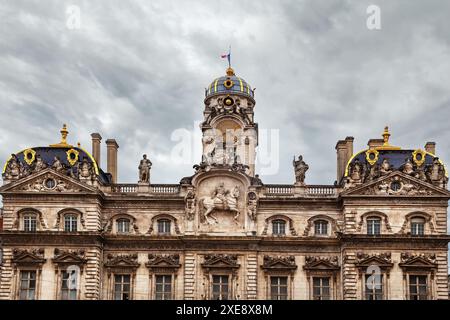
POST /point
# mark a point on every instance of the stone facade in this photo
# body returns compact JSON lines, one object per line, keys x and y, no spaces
{"x":221,"y":233}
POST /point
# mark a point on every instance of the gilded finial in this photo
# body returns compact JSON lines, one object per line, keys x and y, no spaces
{"x":64,"y":134}
{"x":386,"y":136}
{"x":230,"y":71}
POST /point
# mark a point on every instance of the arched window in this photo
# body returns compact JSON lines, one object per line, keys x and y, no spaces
{"x":417,"y":226}
{"x":321,"y":227}
{"x":30,"y":222}
{"x":278,"y":227}
{"x":164,"y":226}
{"x":373,"y":226}
{"x":123,"y":225}
{"x":71,"y":222}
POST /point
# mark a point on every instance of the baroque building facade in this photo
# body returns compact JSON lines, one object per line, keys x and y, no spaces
{"x":71,"y":231}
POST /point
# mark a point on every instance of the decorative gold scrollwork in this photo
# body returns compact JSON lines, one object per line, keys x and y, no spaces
{"x":419,"y":157}
{"x":29,"y":156}
{"x":228,"y":83}
{"x":72,"y":156}
{"x":372,"y":156}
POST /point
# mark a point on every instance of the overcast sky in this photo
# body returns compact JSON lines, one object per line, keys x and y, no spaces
{"x":136,"y":71}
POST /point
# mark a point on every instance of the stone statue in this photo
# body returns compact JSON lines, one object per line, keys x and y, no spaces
{"x":57,"y":165}
{"x":220,"y":194}
{"x":252,"y":206}
{"x":420,"y":173}
{"x":144,"y":169}
{"x":356,"y":171}
{"x":436,"y":173}
{"x":374,"y":172}
{"x":300,"y":168}
{"x":385,"y":167}
{"x":40,"y":164}
{"x":189,"y":200}
{"x":13,"y":169}
{"x":85,"y":169}
{"x":208,"y":149}
{"x":408,"y":167}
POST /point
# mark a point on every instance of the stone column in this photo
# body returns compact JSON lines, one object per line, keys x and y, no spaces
{"x":96,"y":142}
{"x":111,"y":155}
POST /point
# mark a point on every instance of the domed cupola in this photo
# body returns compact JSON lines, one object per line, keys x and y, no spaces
{"x":229,"y":84}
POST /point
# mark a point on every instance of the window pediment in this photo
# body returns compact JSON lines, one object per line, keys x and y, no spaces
{"x":379,"y":259}
{"x":220,"y":261}
{"x":28,"y":257}
{"x":163,"y":261}
{"x":122,"y":261}
{"x":418,"y":261}
{"x":314,"y":263}
{"x":279,"y":263}
{"x":68,"y":257}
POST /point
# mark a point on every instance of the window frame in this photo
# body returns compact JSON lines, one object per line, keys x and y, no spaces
{"x":72,"y":222}
{"x":20,"y":282}
{"x":123,"y":222}
{"x":417,"y":228}
{"x":221,"y":284}
{"x":26,"y":217}
{"x":276,"y":227}
{"x":279,"y":286}
{"x":321,"y":225}
{"x":62,"y":289}
{"x":370,"y":223}
{"x":321,"y":286}
{"x":161,"y":226}
{"x":417,"y":286}
{"x":122,"y":283}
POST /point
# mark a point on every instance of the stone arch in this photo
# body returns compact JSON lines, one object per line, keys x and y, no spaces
{"x":164,"y":216}
{"x":285,"y":218}
{"x":65,"y":211}
{"x":115,"y":217}
{"x":384,"y":218}
{"x":21,"y":212}
{"x":426,"y":216}
{"x":310,"y":222}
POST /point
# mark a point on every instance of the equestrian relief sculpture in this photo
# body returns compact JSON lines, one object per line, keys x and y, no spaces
{"x":221,"y":199}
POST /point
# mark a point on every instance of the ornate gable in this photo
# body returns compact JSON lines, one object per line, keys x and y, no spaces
{"x":48,"y":181}
{"x":397,"y":184}
{"x":163,"y":262}
{"x":34,"y":257}
{"x":220,"y":261}
{"x":118,"y":261}
{"x":418,"y":261}
{"x":69,"y":257}
{"x":314,"y":263}
{"x":279,"y":263}
{"x":382,"y":260}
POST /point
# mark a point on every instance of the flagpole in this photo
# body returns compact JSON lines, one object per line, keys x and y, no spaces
{"x":229,"y":57}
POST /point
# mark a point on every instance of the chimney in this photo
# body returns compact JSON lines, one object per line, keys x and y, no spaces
{"x":111,"y":158}
{"x":96,"y":141}
{"x":344,"y":151}
{"x":430,"y":147}
{"x":373,"y":143}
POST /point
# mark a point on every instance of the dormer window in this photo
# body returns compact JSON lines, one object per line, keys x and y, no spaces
{"x":29,"y":222}
{"x":279,"y":227}
{"x":123,"y":226}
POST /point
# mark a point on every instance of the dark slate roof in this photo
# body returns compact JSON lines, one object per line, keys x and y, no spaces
{"x":48,"y":155}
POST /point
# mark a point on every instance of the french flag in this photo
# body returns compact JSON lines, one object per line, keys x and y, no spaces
{"x":228,"y":56}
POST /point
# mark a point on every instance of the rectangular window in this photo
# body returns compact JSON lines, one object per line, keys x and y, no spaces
{"x":122,"y":287}
{"x":321,"y":288}
{"x":164,"y":226}
{"x":418,"y":287}
{"x":27,"y":285}
{"x":278,"y":288}
{"x":321,"y":228}
{"x":278,"y":227}
{"x":373,"y":226}
{"x":163,"y":287}
{"x":70,"y":223}
{"x":29,"y":223}
{"x":69,"y":285}
{"x":123,"y":226}
{"x":220,"y":287}
{"x":374,"y":287}
{"x":417,"y":229}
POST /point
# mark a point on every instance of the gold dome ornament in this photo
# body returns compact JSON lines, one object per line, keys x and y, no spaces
{"x":72,"y":156}
{"x":228,"y":83}
{"x":63,"y":143}
{"x":230,"y":72}
{"x":228,"y":101}
{"x":372,"y":156}
{"x":419,"y":157}
{"x":29,"y":156}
